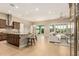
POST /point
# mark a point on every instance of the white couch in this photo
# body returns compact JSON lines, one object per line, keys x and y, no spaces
{"x":54,"y":38}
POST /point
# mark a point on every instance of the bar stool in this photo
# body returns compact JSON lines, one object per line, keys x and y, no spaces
{"x":31,"y":40}
{"x":35,"y":37}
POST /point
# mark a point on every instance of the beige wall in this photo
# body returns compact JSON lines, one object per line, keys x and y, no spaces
{"x":46,"y":31}
{"x":2,"y":16}
{"x":53,"y":21}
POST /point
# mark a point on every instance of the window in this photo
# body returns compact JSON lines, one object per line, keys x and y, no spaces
{"x":59,"y":28}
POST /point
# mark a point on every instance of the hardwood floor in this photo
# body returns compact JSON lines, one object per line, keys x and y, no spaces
{"x":42,"y":48}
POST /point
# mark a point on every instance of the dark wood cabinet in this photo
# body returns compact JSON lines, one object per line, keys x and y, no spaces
{"x":2,"y":23}
{"x":3,"y":36}
{"x":13,"y":39}
{"x":16,"y":25}
{"x":2,"y":26}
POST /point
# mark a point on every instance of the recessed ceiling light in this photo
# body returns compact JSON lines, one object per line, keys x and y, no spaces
{"x":37,"y":9}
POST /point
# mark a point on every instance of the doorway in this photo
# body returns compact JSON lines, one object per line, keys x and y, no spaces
{"x":39,"y":29}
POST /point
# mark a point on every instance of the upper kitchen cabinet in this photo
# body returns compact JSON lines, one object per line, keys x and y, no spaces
{"x":16,"y":25}
{"x":2,"y":23}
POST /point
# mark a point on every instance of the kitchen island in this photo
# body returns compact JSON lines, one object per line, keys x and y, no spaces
{"x":17,"y":39}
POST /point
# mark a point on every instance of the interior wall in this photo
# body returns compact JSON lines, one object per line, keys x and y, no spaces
{"x":46,"y":31}
{"x":53,"y":21}
{"x":3,"y":16}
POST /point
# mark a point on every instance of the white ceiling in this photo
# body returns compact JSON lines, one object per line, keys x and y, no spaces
{"x":36,"y":11}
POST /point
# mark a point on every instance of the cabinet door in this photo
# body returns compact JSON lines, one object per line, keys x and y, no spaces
{"x":2,"y":23}
{"x":16,"y":25}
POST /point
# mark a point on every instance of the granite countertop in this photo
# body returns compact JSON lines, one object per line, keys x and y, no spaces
{"x":18,"y":33}
{"x":12,"y":32}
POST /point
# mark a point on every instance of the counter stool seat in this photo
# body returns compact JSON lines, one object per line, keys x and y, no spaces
{"x":30,"y":41}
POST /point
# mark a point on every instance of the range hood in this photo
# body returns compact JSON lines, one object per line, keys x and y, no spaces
{"x":9,"y":20}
